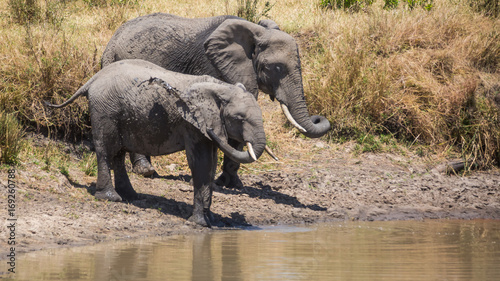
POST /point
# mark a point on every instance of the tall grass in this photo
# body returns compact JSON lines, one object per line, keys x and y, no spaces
{"x":41,"y":60}
{"x":11,"y":133}
{"x":47,"y":66}
{"x":426,"y":76}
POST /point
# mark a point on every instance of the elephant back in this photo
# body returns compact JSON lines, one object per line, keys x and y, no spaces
{"x":170,"y":41}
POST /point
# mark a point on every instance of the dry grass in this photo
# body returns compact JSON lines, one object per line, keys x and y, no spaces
{"x":427,"y":78}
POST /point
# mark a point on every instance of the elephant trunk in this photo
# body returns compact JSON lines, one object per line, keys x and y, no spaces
{"x":295,"y":109}
{"x":311,"y":126}
{"x":240,"y":156}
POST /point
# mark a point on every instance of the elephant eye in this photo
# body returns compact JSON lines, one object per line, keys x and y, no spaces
{"x":278,"y":69}
{"x":239,"y":117}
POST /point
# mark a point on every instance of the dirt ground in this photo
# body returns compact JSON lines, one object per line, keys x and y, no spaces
{"x":314,"y":181}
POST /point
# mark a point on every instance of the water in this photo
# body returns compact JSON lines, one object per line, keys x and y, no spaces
{"x":400,"y":250}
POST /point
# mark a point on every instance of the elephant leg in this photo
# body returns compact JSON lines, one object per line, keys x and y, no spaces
{"x":229,"y":176}
{"x":142,"y":164}
{"x":202,"y":160}
{"x":122,"y":182}
{"x":104,"y":185}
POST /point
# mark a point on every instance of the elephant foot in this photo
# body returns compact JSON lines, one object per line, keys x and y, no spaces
{"x":109,"y":195}
{"x":143,"y":167}
{"x":200,"y":219}
{"x":230,"y":181}
{"x":128,"y":194}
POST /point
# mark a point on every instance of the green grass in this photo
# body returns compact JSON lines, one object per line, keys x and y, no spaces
{"x":11,"y":141}
{"x":88,"y":164}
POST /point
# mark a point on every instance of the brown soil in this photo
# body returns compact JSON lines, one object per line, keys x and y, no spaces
{"x":315,"y":181}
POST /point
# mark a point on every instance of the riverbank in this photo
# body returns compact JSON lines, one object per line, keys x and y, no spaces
{"x":315,"y":181}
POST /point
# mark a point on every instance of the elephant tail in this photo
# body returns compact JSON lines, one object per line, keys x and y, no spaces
{"x":83,"y":91}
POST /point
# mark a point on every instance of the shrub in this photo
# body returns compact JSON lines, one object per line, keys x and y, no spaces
{"x":426,"y":4}
{"x":411,"y":4}
{"x":248,"y":10}
{"x":391,"y":4}
{"x":348,"y":5}
{"x":11,"y":134}
{"x":107,"y":3}
{"x":488,"y":7}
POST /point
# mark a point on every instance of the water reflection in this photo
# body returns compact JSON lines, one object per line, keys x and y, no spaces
{"x":405,"y":250}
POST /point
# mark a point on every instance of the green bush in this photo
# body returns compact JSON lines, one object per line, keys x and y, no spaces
{"x":488,"y":7}
{"x":412,"y":4}
{"x":391,"y":4}
{"x":11,"y":134}
{"x":425,"y":4}
{"x":248,"y":10}
{"x":106,"y":3}
{"x":347,"y":5}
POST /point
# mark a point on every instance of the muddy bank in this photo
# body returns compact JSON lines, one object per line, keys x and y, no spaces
{"x":327,"y":184}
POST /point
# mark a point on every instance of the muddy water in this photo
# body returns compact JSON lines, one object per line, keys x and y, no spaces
{"x":401,"y":250}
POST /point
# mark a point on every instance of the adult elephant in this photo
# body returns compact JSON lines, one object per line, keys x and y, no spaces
{"x":260,"y":56}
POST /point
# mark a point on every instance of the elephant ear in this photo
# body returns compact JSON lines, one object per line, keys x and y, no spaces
{"x":230,"y":49}
{"x":200,"y":106}
{"x":270,"y":24}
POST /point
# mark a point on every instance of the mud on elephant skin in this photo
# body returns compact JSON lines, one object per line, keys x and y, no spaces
{"x":137,"y":106}
{"x":260,"y":56}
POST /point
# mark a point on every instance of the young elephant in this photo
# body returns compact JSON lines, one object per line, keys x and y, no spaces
{"x":137,"y":106}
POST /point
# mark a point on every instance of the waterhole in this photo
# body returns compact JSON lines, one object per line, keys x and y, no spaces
{"x":394,"y":250}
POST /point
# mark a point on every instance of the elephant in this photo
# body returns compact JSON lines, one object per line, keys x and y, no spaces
{"x":260,"y":56}
{"x":137,"y":106}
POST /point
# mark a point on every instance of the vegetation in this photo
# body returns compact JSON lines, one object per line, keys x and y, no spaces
{"x":378,"y":69}
{"x":487,"y":7}
{"x":11,"y":135}
{"x":351,"y":5}
{"x":249,"y":10}
{"x":357,"y":5}
{"x":430,"y":79}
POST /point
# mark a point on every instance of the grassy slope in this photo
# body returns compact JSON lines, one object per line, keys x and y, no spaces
{"x":426,"y":78}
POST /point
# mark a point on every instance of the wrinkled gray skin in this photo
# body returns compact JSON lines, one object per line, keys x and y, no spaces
{"x":260,"y":56}
{"x":132,"y":112}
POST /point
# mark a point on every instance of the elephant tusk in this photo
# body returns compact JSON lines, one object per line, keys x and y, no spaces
{"x":290,"y":118}
{"x":250,"y":150}
{"x":270,"y":152}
